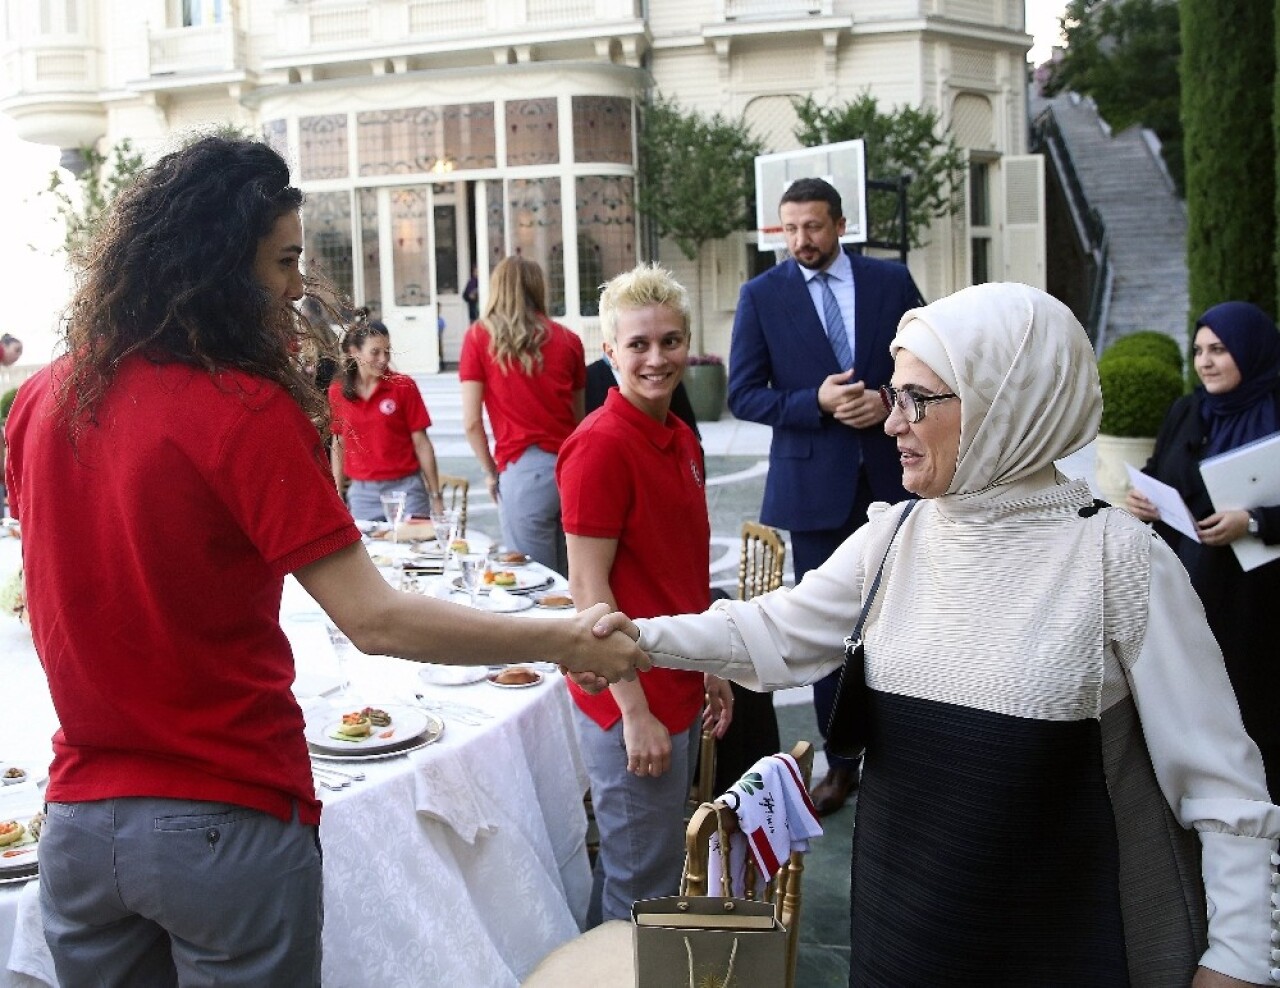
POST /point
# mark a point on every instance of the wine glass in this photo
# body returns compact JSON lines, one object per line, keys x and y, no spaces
{"x":472,"y":566}
{"x":445,"y":523}
{"x":393,"y":504}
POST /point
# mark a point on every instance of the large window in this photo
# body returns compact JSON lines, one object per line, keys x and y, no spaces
{"x":606,"y":235}
{"x":370,"y":251}
{"x":536,"y":231}
{"x":980,"y":229}
{"x":533,"y":131}
{"x":602,"y":129}
{"x":437,"y":139}
{"x":202,"y":13}
{"x":326,"y":220}
{"x":410,"y":261}
{"x":58,"y":16}
{"x":323,"y":149}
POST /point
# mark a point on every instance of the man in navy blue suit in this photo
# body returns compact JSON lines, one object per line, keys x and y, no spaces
{"x":810,"y":351}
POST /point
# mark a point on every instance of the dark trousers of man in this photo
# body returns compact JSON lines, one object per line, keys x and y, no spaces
{"x":809,"y":550}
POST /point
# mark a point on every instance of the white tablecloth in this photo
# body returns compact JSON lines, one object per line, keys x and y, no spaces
{"x":461,"y":864}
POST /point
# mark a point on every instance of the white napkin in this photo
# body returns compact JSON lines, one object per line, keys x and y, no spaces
{"x":446,"y":791}
{"x":775,"y":817}
{"x":30,"y":954}
{"x":501,"y":600}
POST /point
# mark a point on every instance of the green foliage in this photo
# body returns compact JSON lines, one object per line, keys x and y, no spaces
{"x":906,"y":141}
{"x":697,"y":174}
{"x":82,"y":203}
{"x":1147,"y":343}
{"x":1229,"y":50}
{"x":1136,"y":394}
{"x":6,"y":402}
{"x":1125,"y":56}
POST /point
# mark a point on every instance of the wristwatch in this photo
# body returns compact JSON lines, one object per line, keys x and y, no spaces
{"x":1255,"y":524}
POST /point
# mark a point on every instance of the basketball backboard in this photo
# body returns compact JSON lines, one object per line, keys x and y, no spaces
{"x":843,"y":165}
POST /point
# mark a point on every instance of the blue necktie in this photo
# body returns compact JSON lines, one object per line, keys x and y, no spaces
{"x":835,"y":323}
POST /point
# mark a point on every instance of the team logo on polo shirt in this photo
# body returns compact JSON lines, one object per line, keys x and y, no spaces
{"x":387,"y":406}
{"x":697,"y":474}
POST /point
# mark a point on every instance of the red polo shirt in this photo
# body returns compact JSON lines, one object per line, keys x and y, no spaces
{"x":624,"y":476}
{"x":155,"y":551}
{"x":377,"y":432}
{"x":527,"y":409}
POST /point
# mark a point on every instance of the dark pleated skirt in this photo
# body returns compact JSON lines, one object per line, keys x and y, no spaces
{"x":984,"y":853}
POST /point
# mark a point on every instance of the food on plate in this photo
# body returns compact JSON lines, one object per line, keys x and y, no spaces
{"x":35,"y":824}
{"x":516,"y":676}
{"x":11,"y":831}
{"x":355,"y":725}
{"x":378,"y":718}
{"x":14,"y":775}
{"x":555,"y":600}
{"x":513,"y":557}
{"x":460,"y":545}
{"x":504,"y":578}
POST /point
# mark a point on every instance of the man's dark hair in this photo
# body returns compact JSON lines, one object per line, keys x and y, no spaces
{"x":814,"y":190}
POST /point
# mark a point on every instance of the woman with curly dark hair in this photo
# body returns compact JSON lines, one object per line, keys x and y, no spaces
{"x":168,"y":472}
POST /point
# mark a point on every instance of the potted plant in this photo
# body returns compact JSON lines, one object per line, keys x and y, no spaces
{"x":1136,"y":394}
{"x":706,"y":382}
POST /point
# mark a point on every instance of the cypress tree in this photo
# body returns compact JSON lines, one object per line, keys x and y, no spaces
{"x":1228,"y":91}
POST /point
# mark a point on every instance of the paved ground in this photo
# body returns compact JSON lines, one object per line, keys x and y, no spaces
{"x":737,"y":459}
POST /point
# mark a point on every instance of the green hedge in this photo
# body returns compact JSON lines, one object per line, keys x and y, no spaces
{"x":1136,"y":394}
{"x":6,"y":402}
{"x":1228,"y":70}
{"x":1146,"y":343}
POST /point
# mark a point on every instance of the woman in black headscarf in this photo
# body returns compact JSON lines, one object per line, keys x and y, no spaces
{"x":1237,"y":357}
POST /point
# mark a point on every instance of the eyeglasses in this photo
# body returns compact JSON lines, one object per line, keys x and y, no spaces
{"x":909,"y":403}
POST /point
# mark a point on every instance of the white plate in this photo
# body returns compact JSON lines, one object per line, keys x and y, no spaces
{"x":433,"y":734}
{"x":442,"y":675}
{"x":27,"y":859}
{"x":513,"y":563}
{"x":406,"y":722}
{"x":525,"y":582}
{"x":491,"y":680}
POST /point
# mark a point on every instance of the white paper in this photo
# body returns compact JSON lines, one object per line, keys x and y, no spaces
{"x":1173,"y":510}
{"x":1243,"y":478}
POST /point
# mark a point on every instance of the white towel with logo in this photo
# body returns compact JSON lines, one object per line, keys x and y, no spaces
{"x":775,"y":818}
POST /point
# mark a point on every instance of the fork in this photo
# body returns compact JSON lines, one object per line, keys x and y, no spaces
{"x":349,"y":776}
{"x":462,"y":709}
{"x":445,"y":709}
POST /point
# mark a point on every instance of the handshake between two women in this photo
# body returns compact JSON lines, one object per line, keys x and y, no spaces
{"x":608,"y":651}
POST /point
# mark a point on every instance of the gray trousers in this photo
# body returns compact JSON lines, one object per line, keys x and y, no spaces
{"x":531,"y":509}
{"x":161,"y":892}
{"x":641,"y":820}
{"x":364,"y":497}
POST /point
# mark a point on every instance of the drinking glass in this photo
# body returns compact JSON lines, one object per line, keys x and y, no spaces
{"x":472,"y":566}
{"x":445,"y":523}
{"x":393,"y":503}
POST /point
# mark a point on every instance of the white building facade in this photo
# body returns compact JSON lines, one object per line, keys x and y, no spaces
{"x":432,"y":136}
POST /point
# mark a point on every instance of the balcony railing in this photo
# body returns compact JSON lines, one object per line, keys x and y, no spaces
{"x":37,"y":68}
{"x":352,"y":24}
{"x":192,"y":50}
{"x":774,"y":9}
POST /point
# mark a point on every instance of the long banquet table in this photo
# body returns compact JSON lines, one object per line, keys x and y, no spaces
{"x":461,"y":864}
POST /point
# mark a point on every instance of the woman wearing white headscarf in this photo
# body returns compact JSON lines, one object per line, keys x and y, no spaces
{"x":1049,"y":710}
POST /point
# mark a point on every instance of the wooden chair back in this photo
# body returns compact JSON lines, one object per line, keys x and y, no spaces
{"x":456,"y":491}
{"x":763,"y":556}
{"x":783,"y":890}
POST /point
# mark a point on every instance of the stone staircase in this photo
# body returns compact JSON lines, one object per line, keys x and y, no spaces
{"x":1124,"y":179}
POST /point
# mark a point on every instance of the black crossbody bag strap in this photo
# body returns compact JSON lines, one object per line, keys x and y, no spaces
{"x":847,"y":728}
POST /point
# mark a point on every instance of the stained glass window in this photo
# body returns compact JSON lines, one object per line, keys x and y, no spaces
{"x":276,"y":134}
{"x":324,"y":146}
{"x":533,"y":131}
{"x":602,"y":129}
{"x":437,"y":139}
{"x":371,"y":251}
{"x":495,"y":221}
{"x":606,"y":234}
{"x":537,"y":233}
{"x":410,"y":261}
{"x":326,"y":220}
